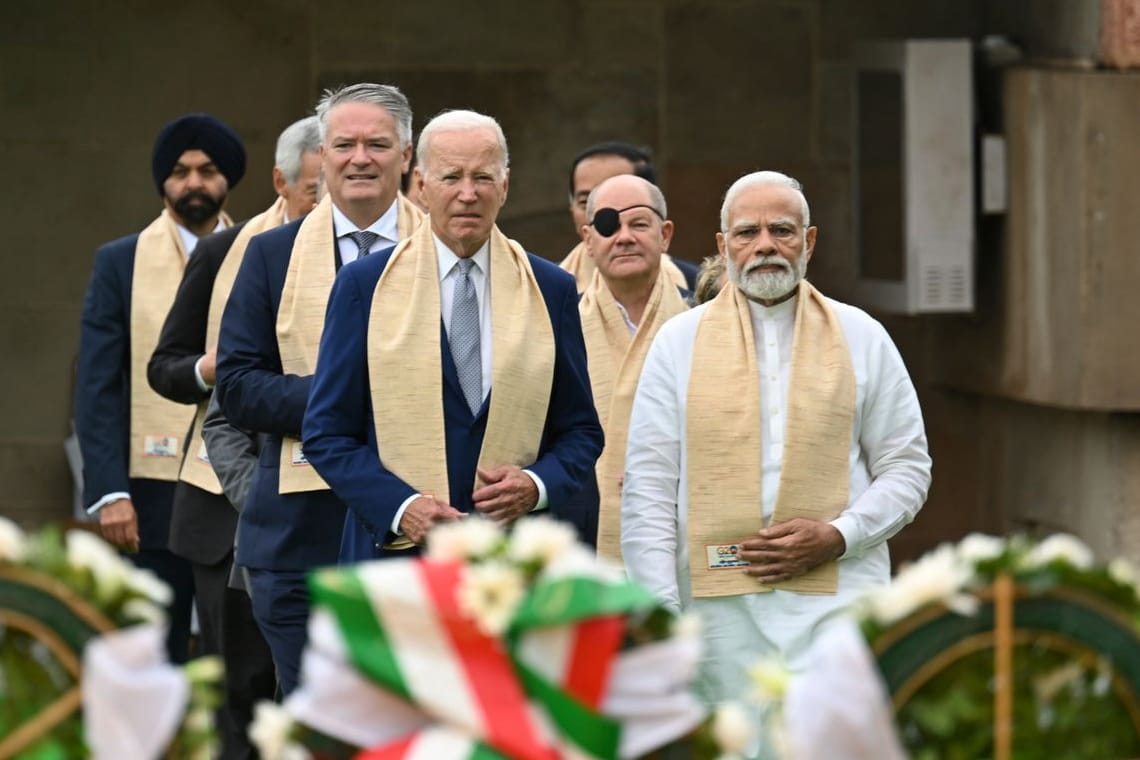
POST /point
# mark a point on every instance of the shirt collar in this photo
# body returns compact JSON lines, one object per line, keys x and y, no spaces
{"x":448,"y":259}
{"x":385,"y":226}
{"x":190,"y":240}
{"x":783,"y":312}
{"x":625,"y":315}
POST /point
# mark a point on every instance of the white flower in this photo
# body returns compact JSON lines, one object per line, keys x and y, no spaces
{"x":146,"y":583}
{"x":770,"y":679}
{"x":1123,"y":572}
{"x":13,"y":543}
{"x":86,"y":551}
{"x":732,"y":728}
{"x":938,"y":576}
{"x":688,"y":626}
{"x":199,"y":720}
{"x":490,"y":592}
{"x":978,"y":547}
{"x":145,"y":611}
{"x":294,"y":751}
{"x":580,"y":562}
{"x":270,"y":729}
{"x":204,"y":669}
{"x":462,"y":540}
{"x":542,"y":540}
{"x":1060,"y":547}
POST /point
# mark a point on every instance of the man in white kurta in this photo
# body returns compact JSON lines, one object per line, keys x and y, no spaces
{"x":767,"y":241}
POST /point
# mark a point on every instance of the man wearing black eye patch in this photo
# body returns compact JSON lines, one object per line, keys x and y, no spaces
{"x":629,"y":297}
{"x":588,"y":170}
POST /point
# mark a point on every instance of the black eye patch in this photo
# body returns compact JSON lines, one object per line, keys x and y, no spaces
{"x":607,"y":221}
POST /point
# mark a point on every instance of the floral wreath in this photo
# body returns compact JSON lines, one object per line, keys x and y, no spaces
{"x":991,"y":647}
{"x":83,"y":669}
{"x":491,"y":646}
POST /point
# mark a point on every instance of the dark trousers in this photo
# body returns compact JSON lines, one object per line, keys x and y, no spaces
{"x":228,"y":629}
{"x":250,"y":675}
{"x":177,"y":574}
{"x":281,"y":609}
{"x":209,"y":593}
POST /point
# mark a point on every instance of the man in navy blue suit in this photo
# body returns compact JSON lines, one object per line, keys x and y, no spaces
{"x":267,"y":350}
{"x":132,"y":439}
{"x":456,"y":382}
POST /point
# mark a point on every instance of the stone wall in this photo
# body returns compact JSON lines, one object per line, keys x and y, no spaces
{"x":716,"y":87}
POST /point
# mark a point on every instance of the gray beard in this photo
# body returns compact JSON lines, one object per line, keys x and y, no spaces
{"x":767,"y":286}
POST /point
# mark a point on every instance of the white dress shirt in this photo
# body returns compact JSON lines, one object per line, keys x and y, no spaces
{"x":889,"y":476}
{"x":384,"y":227}
{"x":480,"y":278}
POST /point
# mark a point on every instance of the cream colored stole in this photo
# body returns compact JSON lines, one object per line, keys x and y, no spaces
{"x":196,"y":469}
{"x":723,"y":445}
{"x":301,"y":317}
{"x":615,"y":360}
{"x":157,"y":425}
{"x":579,"y":263}
{"x":405,"y":369}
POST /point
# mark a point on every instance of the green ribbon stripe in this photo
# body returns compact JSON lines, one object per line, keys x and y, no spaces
{"x":570,"y":600}
{"x":369,"y":648}
{"x":591,"y":731}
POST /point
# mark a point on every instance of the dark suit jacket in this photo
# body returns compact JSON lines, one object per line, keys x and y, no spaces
{"x":103,"y":394}
{"x":340,"y":439}
{"x":282,"y":532}
{"x":202,"y":524}
{"x":690,"y":270}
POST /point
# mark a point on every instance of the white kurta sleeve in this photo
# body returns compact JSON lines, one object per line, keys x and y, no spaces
{"x":892,"y":443}
{"x":649,"y":525}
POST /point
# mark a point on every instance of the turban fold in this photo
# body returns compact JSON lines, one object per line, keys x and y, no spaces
{"x":198,"y":131}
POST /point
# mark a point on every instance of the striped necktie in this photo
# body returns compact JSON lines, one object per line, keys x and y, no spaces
{"x":464,"y":337}
{"x":364,"y":240}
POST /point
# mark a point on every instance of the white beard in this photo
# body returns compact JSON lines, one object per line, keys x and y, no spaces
{"x":767,"y":286}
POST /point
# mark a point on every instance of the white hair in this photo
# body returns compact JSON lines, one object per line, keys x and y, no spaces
{"x":460,"y":121}
{"x":297,"y":139}
{"x":757,"y":179}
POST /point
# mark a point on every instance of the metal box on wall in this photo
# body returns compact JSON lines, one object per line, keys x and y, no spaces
{"x":913,"y":175}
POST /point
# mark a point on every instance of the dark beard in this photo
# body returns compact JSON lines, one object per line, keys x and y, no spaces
{"x":197,"y":213}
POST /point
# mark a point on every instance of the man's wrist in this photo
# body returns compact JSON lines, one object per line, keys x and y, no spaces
{"x":114,"y":496}
{"x":395,"y":526}
{"x":202,"y":384}
{"x":542,"y":502}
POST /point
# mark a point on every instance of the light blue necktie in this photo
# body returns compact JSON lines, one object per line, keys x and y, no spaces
{"x":464,"y":336}
{"x":364,"y":240}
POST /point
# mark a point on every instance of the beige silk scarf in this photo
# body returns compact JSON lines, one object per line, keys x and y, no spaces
{"x":196,"y":469}
{"x":405,"y":369}
{"x":615,"y":361}
{"x":579,"y":263}
{"x":723,"y":444}
{"x":157,"y":424}
{"x":301,"y":317}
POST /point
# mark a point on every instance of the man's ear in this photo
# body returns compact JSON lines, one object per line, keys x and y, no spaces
{"x":279,"y":182}
{"x":809,"y":241}
{"x":666,"y":235}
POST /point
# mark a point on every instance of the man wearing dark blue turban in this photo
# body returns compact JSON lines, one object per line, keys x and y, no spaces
{"x":130,"y":437}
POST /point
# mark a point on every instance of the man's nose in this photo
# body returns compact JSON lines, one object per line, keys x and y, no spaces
{"x":360,"y":154}
{"x":765,"y":243}
{"x":467,"y":190}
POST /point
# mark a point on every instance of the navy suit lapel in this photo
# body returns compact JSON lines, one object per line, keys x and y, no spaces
{"x":450,"y":374}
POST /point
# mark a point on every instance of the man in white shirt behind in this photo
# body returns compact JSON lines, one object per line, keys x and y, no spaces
{"x":775,"y":444}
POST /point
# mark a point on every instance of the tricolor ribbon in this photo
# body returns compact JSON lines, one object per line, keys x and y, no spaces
{"x":537,"y":693}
